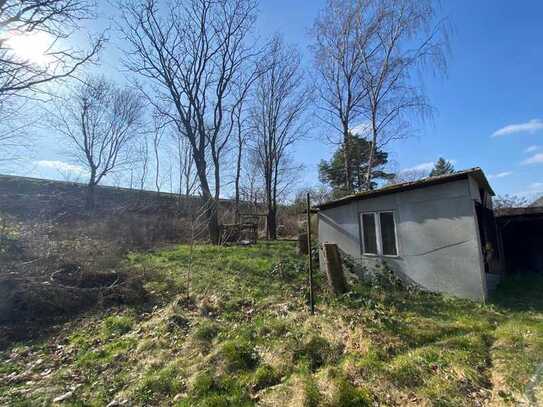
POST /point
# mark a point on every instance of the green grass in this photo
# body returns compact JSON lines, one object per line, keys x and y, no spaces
{"x":242,"y":336}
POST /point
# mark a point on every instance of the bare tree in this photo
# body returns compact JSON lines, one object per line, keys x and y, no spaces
{"x":340,"y":33}
{"x":280,"y":101}
{"x":158,"y":133}
{"x":193,"y":54}
{"x":101,"y":120}
{"x":384,"y":43}
{"x":55,"y":18}
{"x":142,"y":154}
{"x":187,"y":177}
{"x":410,"y":175}
{"x":406,"y":38}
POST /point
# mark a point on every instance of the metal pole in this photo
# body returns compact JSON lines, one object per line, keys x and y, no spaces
{"x":311,"y":301}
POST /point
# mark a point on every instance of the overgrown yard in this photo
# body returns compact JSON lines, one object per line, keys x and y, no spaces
{"x":243,"y":336}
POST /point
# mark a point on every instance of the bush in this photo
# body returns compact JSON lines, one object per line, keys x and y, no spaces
{"x":239,"y":355}
{"x":265,"y":376}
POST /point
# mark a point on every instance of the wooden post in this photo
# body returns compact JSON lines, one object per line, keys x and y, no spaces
{"x":311,"y":301}
{"x":302,"y":244}
{"x":334,"y":269}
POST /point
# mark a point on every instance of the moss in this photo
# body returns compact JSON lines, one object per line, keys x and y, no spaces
{"x":239,"y":354}
{"x":117,"y":325}
{"x":207,"y":389}
{"x":206,"y":331}
{"x":316,"y":352}
{"x":265,"y":376}
{"x":157,"y":383}
{"x":347,"y":395}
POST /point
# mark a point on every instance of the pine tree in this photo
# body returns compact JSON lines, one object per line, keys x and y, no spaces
{"x":333,"y":172}
{"x":442,"y":167}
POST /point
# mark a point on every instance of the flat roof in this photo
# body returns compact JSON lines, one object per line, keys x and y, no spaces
{"x":513,"y":212}
{"x":476,"y":173}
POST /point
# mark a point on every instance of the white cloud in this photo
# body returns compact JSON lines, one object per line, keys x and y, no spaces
{"x":531,"y":149}
{"x":61,"y":166}
{"x":535,"y":159}
{"x":361,"y":129}
{"x":531,"y":127}
{"x":500,"y":174}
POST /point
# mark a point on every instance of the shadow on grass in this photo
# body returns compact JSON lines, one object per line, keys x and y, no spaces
{"x":521,"y":292}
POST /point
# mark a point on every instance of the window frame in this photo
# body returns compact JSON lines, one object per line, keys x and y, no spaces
{"x":378,"y":233}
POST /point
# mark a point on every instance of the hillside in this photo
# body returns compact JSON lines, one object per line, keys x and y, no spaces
{"x":242,"y":336}
{"x":34,"y":197}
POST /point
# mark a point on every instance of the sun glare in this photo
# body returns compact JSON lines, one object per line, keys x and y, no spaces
{"x":33,"y":48}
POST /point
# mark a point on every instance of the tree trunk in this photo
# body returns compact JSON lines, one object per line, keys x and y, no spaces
{"x":90,"y":197}
{"x":346,"y":158}
{"x":372,"y":151}
{"x":272,"y":223}
{"x":90,"y":191}
{"x":238,"y":177}
{"x":209,"y":204}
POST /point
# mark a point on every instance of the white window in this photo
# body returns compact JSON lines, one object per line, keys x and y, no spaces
{"x":379,"y":233}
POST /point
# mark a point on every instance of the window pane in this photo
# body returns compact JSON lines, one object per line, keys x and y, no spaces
{"x":370,"y":239}
{"x":388,"y":233}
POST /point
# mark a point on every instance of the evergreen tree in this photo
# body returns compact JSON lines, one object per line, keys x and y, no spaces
{"x":333,"y":172}
{"x":442,"y":167}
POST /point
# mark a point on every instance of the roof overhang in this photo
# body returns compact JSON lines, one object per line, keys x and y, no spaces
{"x":477,"y":173}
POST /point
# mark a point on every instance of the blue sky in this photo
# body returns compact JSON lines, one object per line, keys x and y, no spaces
{"x":488,"y":109}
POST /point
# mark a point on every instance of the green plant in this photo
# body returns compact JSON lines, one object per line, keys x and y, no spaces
{"x":116,"y":325}
{"x":312,"y":396}
{"x":164,"y":381}
{"x":239,"y":354}
{"x":206,"y":331}
{"x":265,"y":376}
{"x":347,"y":395}
{"x":316,"y":352}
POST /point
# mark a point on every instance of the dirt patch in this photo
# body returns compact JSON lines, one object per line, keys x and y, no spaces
{"x":28,"y":305}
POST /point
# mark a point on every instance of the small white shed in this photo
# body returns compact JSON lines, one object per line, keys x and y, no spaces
{"x":438,"y":233}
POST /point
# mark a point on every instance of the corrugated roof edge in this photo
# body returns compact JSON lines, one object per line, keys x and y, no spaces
{"x":476,"y":172}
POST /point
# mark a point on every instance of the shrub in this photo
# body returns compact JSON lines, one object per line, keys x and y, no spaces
{"x":265,"y":376}
{"x":239,"y":355}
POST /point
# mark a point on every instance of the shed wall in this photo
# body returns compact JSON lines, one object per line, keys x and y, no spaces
{"x":438,"y":242}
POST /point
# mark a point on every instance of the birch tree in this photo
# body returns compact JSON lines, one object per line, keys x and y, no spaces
{"x":340,"y":34}
{"x":373,"y":50}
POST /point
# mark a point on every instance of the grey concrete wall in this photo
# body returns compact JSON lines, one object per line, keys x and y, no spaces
{"x":438,"y":242}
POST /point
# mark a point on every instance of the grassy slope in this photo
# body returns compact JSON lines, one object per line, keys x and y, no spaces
{"x":245,"y":337}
